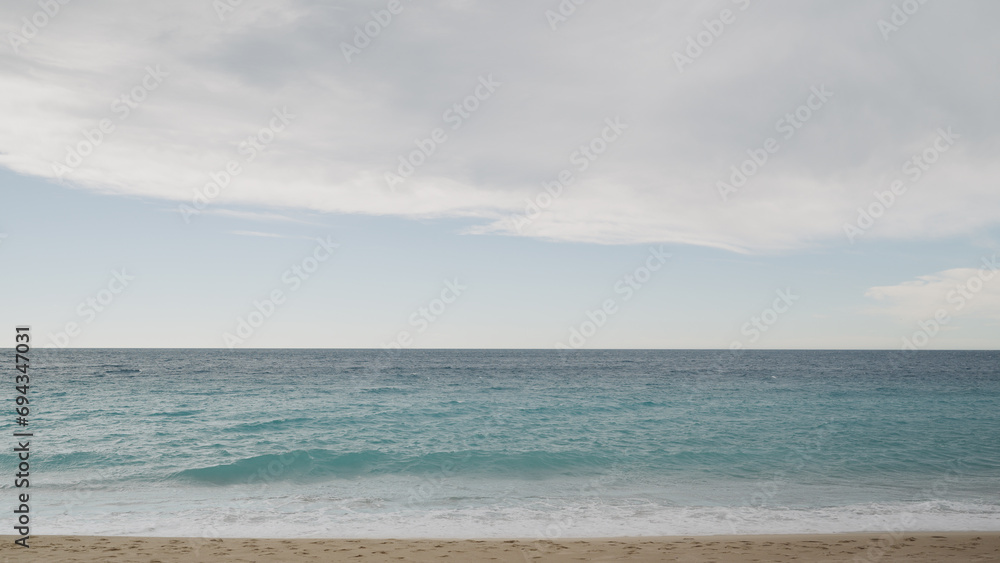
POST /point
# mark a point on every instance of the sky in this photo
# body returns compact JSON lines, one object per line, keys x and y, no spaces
{"x":462,"y":174}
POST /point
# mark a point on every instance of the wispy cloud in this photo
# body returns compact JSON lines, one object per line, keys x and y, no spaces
{"x":261,"y":234}
{"x":972,"y":292}
{"x":255,"y":216}
{"x":218,"y":81}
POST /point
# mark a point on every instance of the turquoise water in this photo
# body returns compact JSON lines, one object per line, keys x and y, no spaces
{"x":512,"y":443}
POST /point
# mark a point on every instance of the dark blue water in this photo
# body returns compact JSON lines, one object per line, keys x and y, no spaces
{"x":513,"y":443}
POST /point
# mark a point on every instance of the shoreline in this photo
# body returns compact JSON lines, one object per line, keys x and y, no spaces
{"x":867,"y":546}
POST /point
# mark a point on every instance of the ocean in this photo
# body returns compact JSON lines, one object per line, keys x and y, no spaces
{"x":510,"y":443}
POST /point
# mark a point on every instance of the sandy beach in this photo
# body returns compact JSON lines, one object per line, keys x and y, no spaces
{"x":966,"y":547}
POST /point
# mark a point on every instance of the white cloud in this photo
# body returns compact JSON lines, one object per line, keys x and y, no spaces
{"x":657,"y":184}
{"x":971,"y":292}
